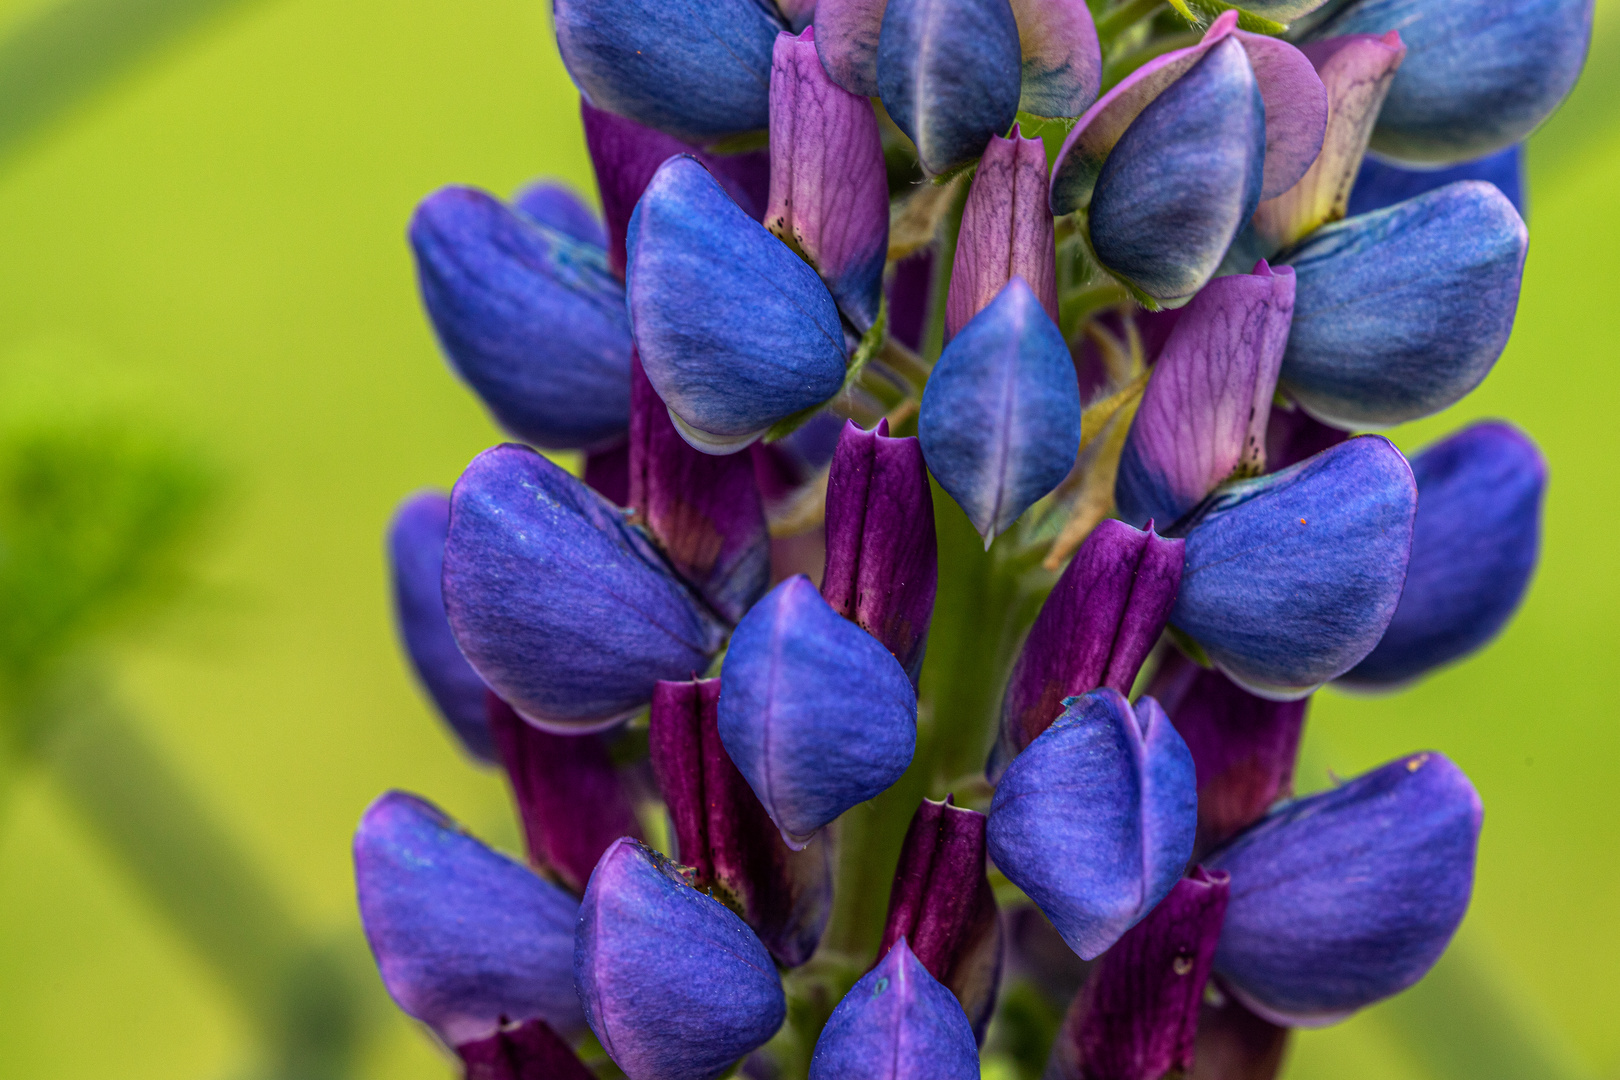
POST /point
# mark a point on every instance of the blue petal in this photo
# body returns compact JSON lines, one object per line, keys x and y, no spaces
{"x":416,"y":555}
{"x":698,"y":69}
{"x":1399,"y":313}
{"x":1184,"y":178}
{"x":564,"y":610}
{"x":556,"y":205}
{"x":1474,"y":547}
{"x":531,"y":318}
{"x":1000,"y":417}
{"x":1095,"y":820}
{"x":735,"y":331}
{"x":675,"y":986}
{"x":1347,"y":897}
{"x":949,"y":72}
{"x":464,"y":937}
{"x":1292,"y":578}
{"x":815,"y":712}
{"x":1479,"y":75}
{"x":1380,"y":184}
{"x":896,"y":1023}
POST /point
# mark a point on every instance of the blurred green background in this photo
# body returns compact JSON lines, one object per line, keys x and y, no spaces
{"x":213,"y":243}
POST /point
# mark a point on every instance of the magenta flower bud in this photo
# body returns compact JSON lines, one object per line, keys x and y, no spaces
{"x":674,"y":984}
{"x":724,"y":834}
{"x":526,"y":1051}
{"x":1006,"y":231}
{"x":703,"y":510}
{"x":626,"y":154}
{"x":1243,"y":747}
{"x":942,"y":904}
{"x":1095,"y":629}
{"x":882,"y":555}
{"x":1137,"y":1017}
{"x":829,"y":187}
{"x":570,"y":799}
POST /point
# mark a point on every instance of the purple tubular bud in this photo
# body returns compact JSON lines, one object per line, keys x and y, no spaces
{"x":1095,"y":820}
{"x":1137,"y":1016}
{"x":674,"y":984}
{"x":1006,"y":231}
{"x":813,"y":710}
{"x":941,"y":902}
{"x":829,"y":188}
{"x":626,"y":154}
{"x":882,"y":555}
{"x":1095,"y":629}
{"x":1341,"y":899}
{"x":723,"y":832}
{"x":1062,"y":61}
{"x":1203,"y":415}
{"x":847,"y":42}
{"x":569,"y":797}
{"x":1243,"y":747}
{"x":1235,"y":1044}
{"x":416,"y":556}
{"x":704,"y":511}
{"x":466,"y":939}
{"x":897,"y":1023}
{"x":555,"y":204}
{"x":526,"y":1051}
{"x":567,"y":612}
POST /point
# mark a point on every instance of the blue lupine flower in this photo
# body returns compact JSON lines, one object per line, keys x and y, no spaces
{"x":1380,"y":184}
{"x":1095,"y":819}
{"x":528,"y":315}
{"x":896,"y":1023}
{"x":734,"y":330}
{"x":675,"y":986}
{"x":1000,"y":419}
{"x":559,"y":207}
{"x":1474,"y":547}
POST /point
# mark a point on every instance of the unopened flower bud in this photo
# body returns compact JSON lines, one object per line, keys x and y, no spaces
{"x":896,"y":1023}
{"x":1006,"y":231}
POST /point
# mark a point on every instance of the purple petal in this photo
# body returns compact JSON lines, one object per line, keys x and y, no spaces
{"x":911,"y":291}
{"x":1243,"y":747}
{"x":1138,"y":1014}
{"x":416,"y":556}
{"x":882,"y":557}
{"x":675,"y":986}
{"x":556,"y":205}
{"x":896,"y":1023}
{"x":1295,"y":110}
{"x":1474,"y":547}
{"x":626,"y":154}
{"x":564,"y":610}
{"x":941,"y":901}
{"x":1006,"y":231}
{"x":1380,"y":184}
{"x":1347,"y":897}
{"x":1292,"y":435}
{"x":465,"y":938}
{"x":526,"y":1051}
{"x":734,"y":330}
{"x":570,"y":800}
{"x":1062,"y":60}
{"x":723,"y":832}
{"x":829,"y":186}
{"x":847,"y":42}
{"x":607,"y":472}
{"x":1291,"y":578}
{"x":531,"y":318}
{"x":1095,"y":629}
{"x":704,"y":511}
{"x":1095,"y":820}
{"x":815,"y":712}
{"x":1203,"y":415}
{"x":949,"y":74}
{"x":1357,"y":72}
{"x":1000,"y":416}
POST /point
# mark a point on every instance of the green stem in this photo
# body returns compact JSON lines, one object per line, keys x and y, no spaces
{"x":1123,"y":17}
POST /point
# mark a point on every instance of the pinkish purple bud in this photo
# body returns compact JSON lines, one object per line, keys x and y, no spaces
{"x":1006,"y":231}
{"x":1137,"y":1015}
{"x":882,"y":556}
{"x":527,"y":1051}
{"x":942,"y":905}
{"x":570,"y":799}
